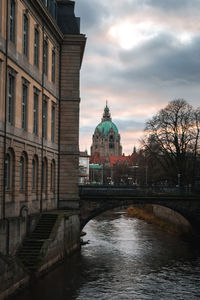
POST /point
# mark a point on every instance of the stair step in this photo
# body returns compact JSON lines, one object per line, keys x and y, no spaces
{"x":30,"y":251}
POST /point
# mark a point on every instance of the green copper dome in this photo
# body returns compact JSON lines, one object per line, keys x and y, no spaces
{"x":106,"y":126}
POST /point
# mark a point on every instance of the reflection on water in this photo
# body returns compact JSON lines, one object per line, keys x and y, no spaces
{"x":125,"y":259}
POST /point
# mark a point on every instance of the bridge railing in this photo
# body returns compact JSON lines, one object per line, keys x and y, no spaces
{"x":128,"y":190}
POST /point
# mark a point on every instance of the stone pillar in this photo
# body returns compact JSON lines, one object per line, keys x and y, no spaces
{"x":71,"y":57}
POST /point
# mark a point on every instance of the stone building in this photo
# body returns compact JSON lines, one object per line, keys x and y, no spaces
{"x":106,"y":137}
{"x":41,"y":51}
{"x":83,"y":167}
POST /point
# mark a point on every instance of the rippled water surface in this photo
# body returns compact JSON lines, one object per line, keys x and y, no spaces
{"x":125,"y":259}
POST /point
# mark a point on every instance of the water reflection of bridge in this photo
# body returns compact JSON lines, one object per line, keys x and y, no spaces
{"x":99,"y":198}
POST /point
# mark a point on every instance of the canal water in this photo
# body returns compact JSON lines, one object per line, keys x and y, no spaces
{"x":125,"y":259}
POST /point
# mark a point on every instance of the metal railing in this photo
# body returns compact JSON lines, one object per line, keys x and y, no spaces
{"x":139,"y":190}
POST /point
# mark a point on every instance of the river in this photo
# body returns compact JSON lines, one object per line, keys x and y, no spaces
{"x":125,"y":259}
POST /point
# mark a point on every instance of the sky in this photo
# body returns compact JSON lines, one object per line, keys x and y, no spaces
{"x":139,"y":55}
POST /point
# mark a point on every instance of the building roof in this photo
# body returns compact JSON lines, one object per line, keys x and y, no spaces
{"x":130,"y":160}
{"x":83,"y":154}
{"x":96,"y":159}
{"x":106,"y":126}
{"x":106,"y":123}
{"x":67,"y":21}
{"x":95,"y":166}
{"x":114,"y":160}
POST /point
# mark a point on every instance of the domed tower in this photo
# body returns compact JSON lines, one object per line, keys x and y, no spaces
{"x":106,"y":138}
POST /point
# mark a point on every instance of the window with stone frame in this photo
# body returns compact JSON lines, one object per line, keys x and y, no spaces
{"x":36,"y":94}
{"x":45,"y":57}
{"x":9,"y":169}
{"x":53,"y":120}
{"x":53,"y":176}
{"x":25,"y":34}
{"x":23,"y":173}
{"x":11,"y":96}
{"x":53,"y":66}
{"x":44,"y":117}
{"x":36,"y":46}
{"x":24,"y":115}
{"x":111,"y":142}
{"x":12,"y":20}
{"x":45,"y":175}
{"x":34,"y":181}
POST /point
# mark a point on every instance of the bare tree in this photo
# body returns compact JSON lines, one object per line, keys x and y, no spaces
{"x":172,"y":138}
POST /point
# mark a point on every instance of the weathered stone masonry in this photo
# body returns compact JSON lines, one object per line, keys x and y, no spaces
{"x":41,"y":51}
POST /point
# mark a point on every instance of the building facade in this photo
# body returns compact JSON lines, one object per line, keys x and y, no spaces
{"x":106,"y":137}
{"x":41,"y":51}
{"x":83,"y":167}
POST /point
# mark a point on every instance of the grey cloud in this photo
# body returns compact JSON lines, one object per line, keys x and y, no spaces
{"x":92,"y":14}
{"x":156,"y":72}
{"x":173,"y":5}
{"x":128,"y":125}
{"x":165,"y":60}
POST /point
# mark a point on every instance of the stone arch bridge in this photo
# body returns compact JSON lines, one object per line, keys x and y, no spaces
{"x":97,"y":199}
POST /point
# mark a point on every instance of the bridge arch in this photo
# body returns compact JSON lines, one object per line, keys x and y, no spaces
{"x":161,"y":211}
{"x":94,"y":201}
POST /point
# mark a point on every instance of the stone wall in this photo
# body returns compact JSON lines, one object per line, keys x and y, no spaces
{"x":171,"y":216}
{"x":71,"y":56}
{"x":13,"y":230}
{"x":12,"y":276}
{"x":63,"y":241}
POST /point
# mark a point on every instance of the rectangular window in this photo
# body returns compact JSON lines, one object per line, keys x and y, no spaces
{"x":24,"y":105}
{"x":45,"y":57}
{"x":53,"y":66}
{"x":11,"y":81}
{"x":12,"y":21}
{"x":25,"y":36}
{"x":44,"y":131}
{"x":35,"y":114}
{"x":53,"y":110}
{"x":36,"y":47}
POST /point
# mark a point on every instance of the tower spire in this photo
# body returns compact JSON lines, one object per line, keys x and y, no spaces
{"x":106,"y":114}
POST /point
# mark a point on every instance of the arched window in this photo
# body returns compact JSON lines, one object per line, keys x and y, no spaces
{"x":7,"y":171}
{"x":44,"y":175}
{"x":53,"y":176}
{"x":21,"y":173}
{"x":111,"y":142}
{"x":34,"y":173}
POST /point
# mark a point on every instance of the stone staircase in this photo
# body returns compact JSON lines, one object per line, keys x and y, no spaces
{"x":30,"y":251}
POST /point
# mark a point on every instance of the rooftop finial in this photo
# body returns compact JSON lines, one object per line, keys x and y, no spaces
{"x":106,"y":115}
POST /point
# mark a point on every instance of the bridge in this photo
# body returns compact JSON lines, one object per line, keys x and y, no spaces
{"x":97,"y":199}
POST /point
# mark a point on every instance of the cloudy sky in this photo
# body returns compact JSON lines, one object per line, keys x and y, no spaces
{"x":140,"y":54}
